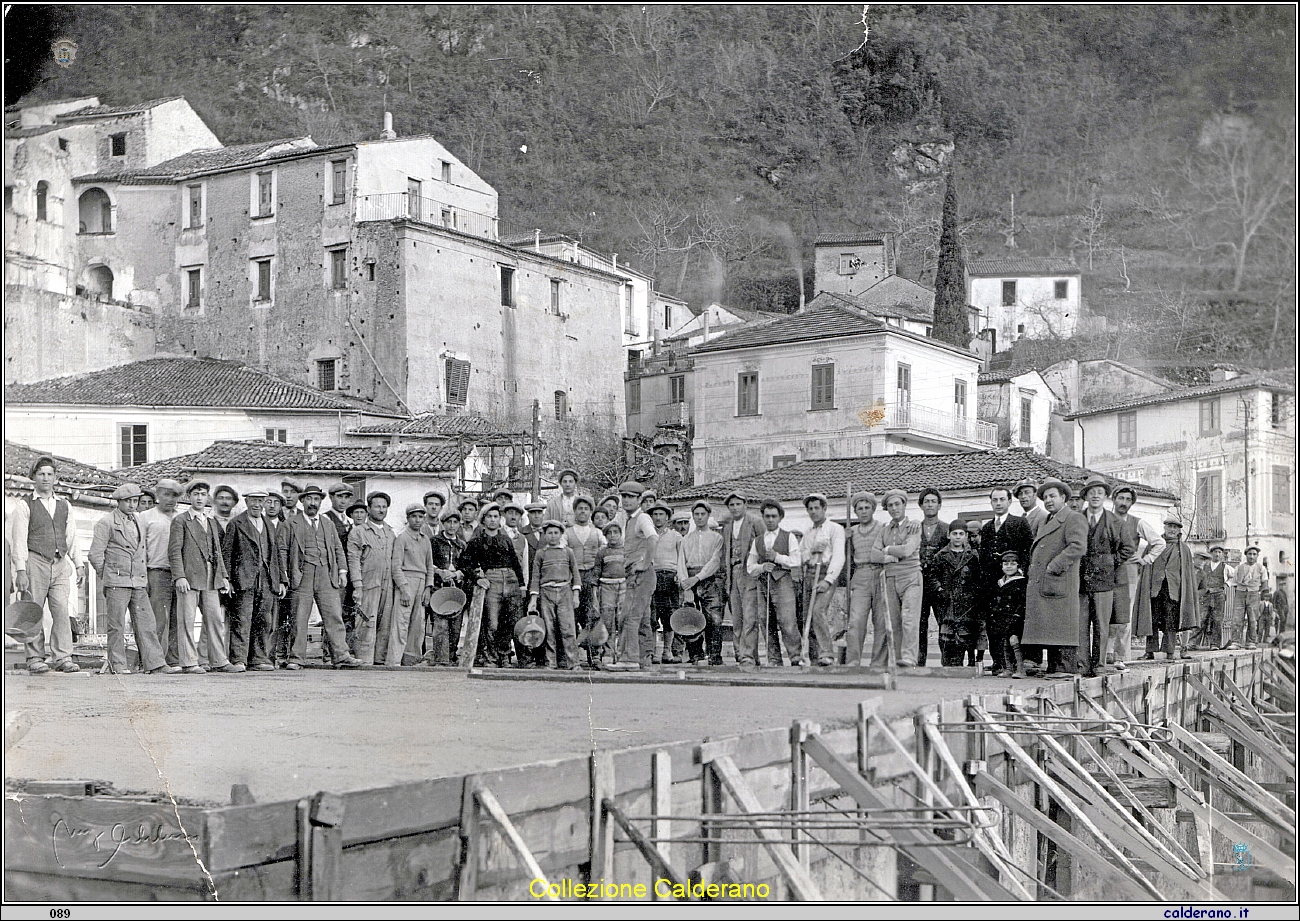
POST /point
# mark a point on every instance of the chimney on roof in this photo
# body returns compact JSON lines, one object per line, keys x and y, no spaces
{"x":1221,"y":374}
{"x":388,"y":133}
{"x":308,"y":447}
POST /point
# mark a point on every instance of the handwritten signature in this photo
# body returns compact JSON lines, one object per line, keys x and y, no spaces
{"x":112,"y":839}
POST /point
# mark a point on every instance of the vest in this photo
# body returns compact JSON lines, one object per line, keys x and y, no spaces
{"x":47,"y":537}
{"x":314,"y":552}
{"x":779,"y":546}
{"x":1215,"y":582}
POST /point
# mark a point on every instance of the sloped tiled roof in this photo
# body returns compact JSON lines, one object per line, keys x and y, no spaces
{"x":19,"y":460}
{"x":1002,"y":376}
{"x":1192,"y":393}
{"x":831,"y":239}
{"x":825,"y":321}
{"x":147,"y":475}
{"x":30,"y":132}
{"x":196,"y":382}
{"x":901,"y":296}
{"x":450,"y":425}
{"x":1025,"y":265}
{"x":203,"y":161}
{"x":910,"y":472}
{"x":104,"y":111}
{"x":273,"y":456}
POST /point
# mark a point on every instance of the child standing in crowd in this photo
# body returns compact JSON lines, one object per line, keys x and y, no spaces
{"x":957,"y":578}
{"x":613,"y":580}
{"x":1007,"y":616}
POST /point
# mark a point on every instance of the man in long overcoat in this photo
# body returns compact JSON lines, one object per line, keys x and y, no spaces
{"x":1167,"y":595}
{"x":1052,"y":598}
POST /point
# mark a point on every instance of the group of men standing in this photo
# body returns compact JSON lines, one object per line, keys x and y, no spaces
{"x":1067,"y":582}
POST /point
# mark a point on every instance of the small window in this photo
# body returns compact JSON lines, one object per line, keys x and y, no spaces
{"x":668,"y":316}
{"x":633,"y":397}
{"x":507,"y":286}
{"x":457,"y":382}
{"x":119,"y":145}
{"x":195,"y":286}
{"x":904,"y":391}
{"x":630,"y":327}
{"x":1026,"y":420}
{"x":339,"y":185}
{"x":555,"y":296}
{"x":265,"y":183}
{"x":63,"y":143}
{"x":1062,"y":290}
{"x":325,"y":379}
{"x":280,"y":435}
{"x":446,"y":171}
{"x":1008,"y":294}
{"x":783,"y":460}
{"x":196,"y":206}
{"x":1128,"y":430}
{"x":338,"y":269}
{"x":370,"y":271}
{"x":42,"y":197}
{"x":1020,"y":329}
{"x":747,"y":394}
{"x":415,"y":200}
{"x":264,"y":279}
{"x":929,"y":332}
{"x":959,"y":398}
{"x":561,"y":405}
{"x":823,"y":386}
{"x":1277,"y":411}
{"x":1210,"y":416}
{"x":677,"y":386}
{"x":135,"y":444}
{"x":1281,"y":490}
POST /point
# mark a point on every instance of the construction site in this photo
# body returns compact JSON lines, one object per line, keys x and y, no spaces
{"x":1166,"y":782}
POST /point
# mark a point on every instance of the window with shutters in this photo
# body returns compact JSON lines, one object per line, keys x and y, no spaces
{"x":823,"y":386}
{"x":561,"y":405}
{"x":265,"y":194}
{"x":747,"y":393}
{"x":668,"y":316}
{"x":677,"y":387}
{"x":1210,"y":416}
{"x":1277,"y":411}
{"x":959,"y":399}
{"x":119,"y":145}
{"x":338,"y":269}
{"x":1281,"y":490}
{"x":457,"y":382}
{"x":630,"y":327}
{"x":42,"y":197}
{"x":1026,"y":420}
{"x":415,"y":200}
{"x":507,"y":286}
{"x":903,"y":392}
{"x":195,"y":286}
{"x":339,"y":182}
{"x":1209,"y":503}
{"x":555,"y":296}
{"x":1008,"y":294}
{"x":1128,"y":430}
{"x":195,"y":217}
{"x":325,"y":374}
{"x":280,"y":435}
{"x":446,"y":171}
{"x":135,"y":444}
{"x":263,"y":269}
{"x":634,"y":396}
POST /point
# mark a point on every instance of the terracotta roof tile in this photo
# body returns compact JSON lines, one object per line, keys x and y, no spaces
{"x":275,"y":456}
{"x":831,"y":239}
{"x":1026,"y":265}
{"x":911,"y":472}
{"x":19,"y":460}
{"x":830,"y":319}
{"x":1192,"y":393}
{"x":203,"y":161}
{"x":185,"y":382}
{"x":450,"y":425}
{"x":106,"y":111}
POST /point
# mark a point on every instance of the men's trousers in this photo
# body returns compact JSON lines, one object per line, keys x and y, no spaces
{"x":636,"y":634}
{"x":1245,"y":616}
{"x":252,"y":624}
{"x":710,"y":599}
{"x":588,"y":599}
{"x":929,"y":606}
{"x":741,"y":597}
{"x":162,"y":598}
{"x":1165,"y":619}
{"x":315,"y":586}
{"x":1211,"y":635}
{"x":818,"y":606}
{"x":771,"y":597}
{"x":613,"y":599}
{"x":867,"y":606}
{"x":666,"y":599}
{"x":51,"y":584}
{"x":373,"y":607}
{"x":502,"y":606}
{"x":903,"y":598}
{"x":214,"y":627}
{"x":136,"y":600}
{"x":555,"y":605}
{"x":406,"y":634}
{"x":1095,"y":609}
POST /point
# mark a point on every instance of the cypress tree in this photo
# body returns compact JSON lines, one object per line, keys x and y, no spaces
{"x":950,"y":322}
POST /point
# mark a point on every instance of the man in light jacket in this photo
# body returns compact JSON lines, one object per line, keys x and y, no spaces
{"x":199,"y":574}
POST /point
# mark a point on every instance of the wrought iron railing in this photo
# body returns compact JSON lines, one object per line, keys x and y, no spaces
{"x":387,"y":206}
{"x":927,"y":421}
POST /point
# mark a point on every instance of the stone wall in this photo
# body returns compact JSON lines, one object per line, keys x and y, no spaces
{"x":49,"y":335}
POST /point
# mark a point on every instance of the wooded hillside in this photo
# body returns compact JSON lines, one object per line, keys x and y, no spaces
{"x":711,"y":144}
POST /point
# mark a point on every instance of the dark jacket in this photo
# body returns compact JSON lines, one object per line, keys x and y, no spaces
{"x":249,"y":552}
{"x":1052,"y":597}
{"x":930,"y":548}
{"x":194,"y":552}
{"x":955,"y":585}
{"x":293,"y":533}
{"x":1109,"y":548}
{"x":751,"y":527}
{"x":447,"y":549}
{"x":1017,"y":535}
{"x":1007,"y":607}
{"x":486,"y":551}
{"x":1188,"y":611}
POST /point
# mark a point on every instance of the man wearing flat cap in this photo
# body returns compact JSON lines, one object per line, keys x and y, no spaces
{"x":934,"y":537}
{"x":414,"y":578}
{"x":585,"y":540}
{"x":44,"y":553}
{"x":291,"y":492}
{"x":157,"y":525}
{"x":560,"y":507}
{"x":738,"y":533}
{"x":822,"y":553}
{"x":635,"y":637}
{"x":1167,"y":595}
{"x":699,"y":572}
{"x":1052,"y":596}
{"x":898,"y":549}
{"x":1108,"y":550}
{"x":315,"y":565}
{"x":199,"y":575}
{"x":117,"y":553}
{"x":254,"y":568}
{"x":667,"y":596}
{"x":370,"y":568}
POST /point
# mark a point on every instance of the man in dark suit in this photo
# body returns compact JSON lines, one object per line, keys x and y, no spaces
{"x":1109,"y":548}
{"x":741,"y":588}
{"x":199,"y":570}
{"x":1052,"y":597}
{"x":934,"y":537}
{"x":316,"y":567}
{"x":340,"y":498}
{"x":999,"y":534}
{"x":254,"y":567}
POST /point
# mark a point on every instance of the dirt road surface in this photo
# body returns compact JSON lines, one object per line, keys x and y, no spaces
{"x":287,"y":734}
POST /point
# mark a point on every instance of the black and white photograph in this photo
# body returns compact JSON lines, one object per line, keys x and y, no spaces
{"x":717,"y":453}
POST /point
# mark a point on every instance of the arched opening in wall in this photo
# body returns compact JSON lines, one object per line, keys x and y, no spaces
{"x":42,"y":196}
{"x":99,"y":282}
{"x":95,"y":212}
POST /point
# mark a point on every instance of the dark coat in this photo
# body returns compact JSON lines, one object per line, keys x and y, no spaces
{"x":192,"y":548}
{"x":955,"y":586}
{"x":1109,"y":547}
{"x":1007,"y":607}
{"x":1052,"y":596}
{"x":243,"y":548}
{"x":1188,"y":612}
{"x":930,"y":549}
{"x":1016,"y":534}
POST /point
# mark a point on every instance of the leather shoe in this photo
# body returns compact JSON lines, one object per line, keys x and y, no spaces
{"x":230,"y":668}
{"x":165,"y":670}
{"x":68,"y":667}
{"x":38,"y":668}
{"x":350,"y":662}
{"x":264,"y":667}
{"x":194,"y":670}
{"x":294,"y":667}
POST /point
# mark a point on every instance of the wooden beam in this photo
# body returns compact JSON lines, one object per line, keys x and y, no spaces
{"x":801,"y":884}
{"x":915,"y":844}
{"x":661,"y":803}
{"x":602,"y":833}
{"x":799,"y":803}
{"x":647,"y":848}
{"x":1246,"y":788}
{"x":326,"y":854}
{"x":1280,"y":759}
{"x":470,"y":838}
{"x":516,"y":843}
{"x":1260,"y":850}
{"x":1244,"y":702}
{"x":987,"y":785}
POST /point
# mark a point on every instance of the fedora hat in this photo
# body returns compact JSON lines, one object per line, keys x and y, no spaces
{"x":688,"y":620}
{"x":23,"y":620}
{"x":447,"y":602}
{"x":1096,"y":481}
{"x":530,"y":631}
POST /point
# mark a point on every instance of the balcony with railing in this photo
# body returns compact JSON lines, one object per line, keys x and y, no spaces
{"x":1208,"y":530}
{"x":677,"y":415}
{"x":933,"y":423}
{"x":389,"y":206}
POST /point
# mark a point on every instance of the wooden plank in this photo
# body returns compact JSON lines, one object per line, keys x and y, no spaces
{"x":1260,"y":850}
{"x":749,"y":751}
{"x":1215,"y":780}
{"x":1244,"y":702}
{"x":633,"y":771}
{"x":987,"y":785}
{"x":471,"y":836}
{"x":1232,"y":779}
{"x":799,"y":802}
{"x":104,"y":838}
{"x":1066,"y":802}
{"x":958,"y":778}
{"x":25,"y":886}
{"x":661,"y":803}
{"x":1282,"y":760}
{"x":936,"y":860}
{"x":648,"y":849}
{"x":326,"y":854}
{"x":866,"y":709}
{"x":801,"y":884}
{"x":602,"y":833}
{"x":516,"y":843}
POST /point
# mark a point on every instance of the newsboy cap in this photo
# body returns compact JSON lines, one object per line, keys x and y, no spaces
{"x":414,"y":507}
{"x":170,"y":485}
{"x":815,"y":497}
{"x":893,"y":494}
{"x":339,"y":488}
{"x":631,"y":488}
{"x":127,"y":491}
{"x":43,"y":461}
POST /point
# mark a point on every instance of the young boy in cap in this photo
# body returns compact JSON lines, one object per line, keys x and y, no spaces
{"x":447,"y":548}
{"x":413,"y":583}
{"x":611,"y":573}
{"x":699,"y":571}
{"x":956,"y":577}
{"x":585,"y":539}
{"x":773,"y":559}
{"x":554,"y":588}
{"x":1007,"y":617}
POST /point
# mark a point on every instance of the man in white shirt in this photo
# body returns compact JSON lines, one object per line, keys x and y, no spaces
{"x":1150,"y":544}
{"x":822,"y":551}
{"x":157,"y":526}
{"x":771,"y":563}
{"x":46,"y":564}
{"x":560,"y":507}
{"x":699,"y":571}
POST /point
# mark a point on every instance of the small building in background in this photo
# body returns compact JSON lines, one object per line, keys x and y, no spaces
{"x":1025,"y":297}
{"x":1020,"y":404}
